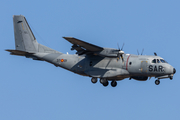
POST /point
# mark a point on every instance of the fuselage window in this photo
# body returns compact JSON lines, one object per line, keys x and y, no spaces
{"x":154,"y":61}
{"x":130,"y":63}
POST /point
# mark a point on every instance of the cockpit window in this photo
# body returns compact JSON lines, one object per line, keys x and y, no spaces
{"x":163,"y":61}
{"x":154,"y":61}
{"x":158,"y":61}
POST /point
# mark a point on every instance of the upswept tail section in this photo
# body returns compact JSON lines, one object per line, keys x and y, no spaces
{"x":24,"y":37}
{"x":25,"y":41}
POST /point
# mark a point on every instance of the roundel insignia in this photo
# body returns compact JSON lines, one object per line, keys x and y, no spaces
{"x":62,"y":60}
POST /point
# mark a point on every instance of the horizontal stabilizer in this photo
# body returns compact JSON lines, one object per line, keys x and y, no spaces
{"x":18,"y":52}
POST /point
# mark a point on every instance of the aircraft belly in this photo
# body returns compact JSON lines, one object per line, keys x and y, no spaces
{"x":107,"y":73}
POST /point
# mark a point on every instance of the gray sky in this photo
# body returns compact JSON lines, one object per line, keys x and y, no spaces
{"x":35,"y":90}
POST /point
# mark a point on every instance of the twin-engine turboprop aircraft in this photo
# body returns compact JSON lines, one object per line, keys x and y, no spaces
{"x":90,"y":60}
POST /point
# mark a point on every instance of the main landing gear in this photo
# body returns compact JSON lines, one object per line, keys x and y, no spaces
{"x":104,"y":82}
{"x":94,"y":80}
{"x":113,"y":83}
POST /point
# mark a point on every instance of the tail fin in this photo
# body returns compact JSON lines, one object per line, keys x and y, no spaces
{"x":25,"y":40}
{"x":24,"y":37}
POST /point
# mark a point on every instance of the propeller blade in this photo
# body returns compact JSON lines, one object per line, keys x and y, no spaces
{"x":120,"y":52}
{"x":122,"y":58}
{"x":118,"y":46}
{"x":122,"y":46}
{"x":118,"y":56}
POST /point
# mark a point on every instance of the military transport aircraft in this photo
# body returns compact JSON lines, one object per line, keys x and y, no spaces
{"x":105,"y":64}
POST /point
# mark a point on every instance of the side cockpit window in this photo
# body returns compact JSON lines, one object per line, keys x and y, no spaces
{"x":154,"y":61}
{"x":158,"y":61}
{"x":163,"y":61}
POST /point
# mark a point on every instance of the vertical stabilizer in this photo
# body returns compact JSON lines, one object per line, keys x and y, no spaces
{"x":25,"y":41}
{"x":24,"y":37}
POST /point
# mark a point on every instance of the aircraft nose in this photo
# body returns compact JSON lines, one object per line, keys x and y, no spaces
{"x":174,"y":70}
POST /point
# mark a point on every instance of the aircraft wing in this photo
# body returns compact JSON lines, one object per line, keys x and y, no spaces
{"x":83,"y":47}
{"x":89,"y":49}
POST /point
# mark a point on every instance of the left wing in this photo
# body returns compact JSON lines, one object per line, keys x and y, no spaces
{"x":83,"y":47}
{"x":86,"y":48}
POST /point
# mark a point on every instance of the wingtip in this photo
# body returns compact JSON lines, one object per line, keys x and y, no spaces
{"x":67,"y":37}
{"x":8,"y":50}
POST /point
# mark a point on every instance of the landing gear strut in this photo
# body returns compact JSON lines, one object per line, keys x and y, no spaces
{"x":157,"y":82}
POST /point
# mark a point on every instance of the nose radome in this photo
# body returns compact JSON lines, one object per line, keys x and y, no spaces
{"x":174,"y":70}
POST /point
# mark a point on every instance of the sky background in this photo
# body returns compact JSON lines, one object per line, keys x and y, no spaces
{"x":35,"y":90}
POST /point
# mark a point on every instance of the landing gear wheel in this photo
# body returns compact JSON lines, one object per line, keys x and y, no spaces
{"x":157,"y":82}
{"x":113,"y":83}
{"x":94,"y":80}
{"x":105,"y":83}
{"x":102,"y":80}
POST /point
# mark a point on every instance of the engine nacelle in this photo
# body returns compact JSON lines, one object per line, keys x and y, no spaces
{"x":140,"y":78}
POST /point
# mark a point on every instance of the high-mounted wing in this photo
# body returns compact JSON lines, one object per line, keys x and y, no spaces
{"x":86,"y":48}
{"x":83,"y":47}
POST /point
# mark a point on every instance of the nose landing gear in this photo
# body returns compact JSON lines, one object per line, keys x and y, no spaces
{"x":157,"y":82}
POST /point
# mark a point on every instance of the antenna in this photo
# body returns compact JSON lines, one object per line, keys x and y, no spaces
{"x":142,"y":51}
{"x":155,"y":54}
{"x":137,"y":51}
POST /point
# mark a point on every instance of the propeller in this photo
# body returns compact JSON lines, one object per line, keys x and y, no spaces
{"x":120,"y":52}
